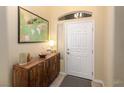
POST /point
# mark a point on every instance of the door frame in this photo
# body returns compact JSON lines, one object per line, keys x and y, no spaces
{"x":93,"y":38}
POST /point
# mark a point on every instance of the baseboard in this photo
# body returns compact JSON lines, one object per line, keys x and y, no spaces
{"x":118,"y":83}
{"x":6,"y":85}
{"x":97,"y":83}
{"x":62,"y":73}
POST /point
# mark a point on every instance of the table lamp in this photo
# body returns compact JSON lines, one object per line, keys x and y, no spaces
{"x":51,"y":44}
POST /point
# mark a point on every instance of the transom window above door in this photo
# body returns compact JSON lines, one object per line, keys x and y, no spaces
{"x":75,"y":15}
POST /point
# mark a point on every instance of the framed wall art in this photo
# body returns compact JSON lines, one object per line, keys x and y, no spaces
{"x":31,"y":27}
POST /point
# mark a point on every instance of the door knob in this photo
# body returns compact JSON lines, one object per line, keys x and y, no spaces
{"x":68,"y":53}
{"x":67,"y":49}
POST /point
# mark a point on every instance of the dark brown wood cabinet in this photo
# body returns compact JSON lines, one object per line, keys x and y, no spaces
{"x":38,"y":72}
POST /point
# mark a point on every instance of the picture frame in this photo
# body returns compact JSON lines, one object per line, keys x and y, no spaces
{"x":31,"y":27}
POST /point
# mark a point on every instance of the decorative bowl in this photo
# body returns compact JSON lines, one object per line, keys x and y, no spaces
{"x":42,"y":56}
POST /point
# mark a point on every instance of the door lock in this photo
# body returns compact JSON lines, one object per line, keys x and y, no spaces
{"x":68,"y":53}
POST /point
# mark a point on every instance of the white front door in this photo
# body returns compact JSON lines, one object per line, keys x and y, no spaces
{"x":79,"y":49}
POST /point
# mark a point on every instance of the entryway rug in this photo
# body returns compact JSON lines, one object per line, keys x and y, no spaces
{"x":73,"y":81}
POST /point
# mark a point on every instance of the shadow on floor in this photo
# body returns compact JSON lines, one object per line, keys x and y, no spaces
{"x":73,"y":81}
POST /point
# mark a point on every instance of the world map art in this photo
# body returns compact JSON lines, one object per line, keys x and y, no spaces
{"x":32,"y":28}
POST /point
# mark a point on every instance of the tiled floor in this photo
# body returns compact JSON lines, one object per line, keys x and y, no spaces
{"x":74,"y":81}
{"x":61,"y":77}
{"x":58,"y":80}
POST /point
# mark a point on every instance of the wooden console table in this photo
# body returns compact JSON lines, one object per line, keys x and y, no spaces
{"x":37,"y":73}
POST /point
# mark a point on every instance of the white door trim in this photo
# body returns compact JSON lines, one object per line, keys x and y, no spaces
{"x":93,"y":29}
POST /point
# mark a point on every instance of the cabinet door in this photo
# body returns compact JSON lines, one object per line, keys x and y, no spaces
{"x":41,"y":74}
{"x":49,"y":74}
{"x":34,"y":80}
{"x":53,"y":67}
{"x":46,"y":76}
{"x":58,"y":63}
{"x":20,"y":77}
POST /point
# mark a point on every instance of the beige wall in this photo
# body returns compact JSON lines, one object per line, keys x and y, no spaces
{"x":119,"y":47}
{"x":98,"y":16}
{"x":3,"y":47}
{"x":9,"y":19}
{"x":109,"y":45}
